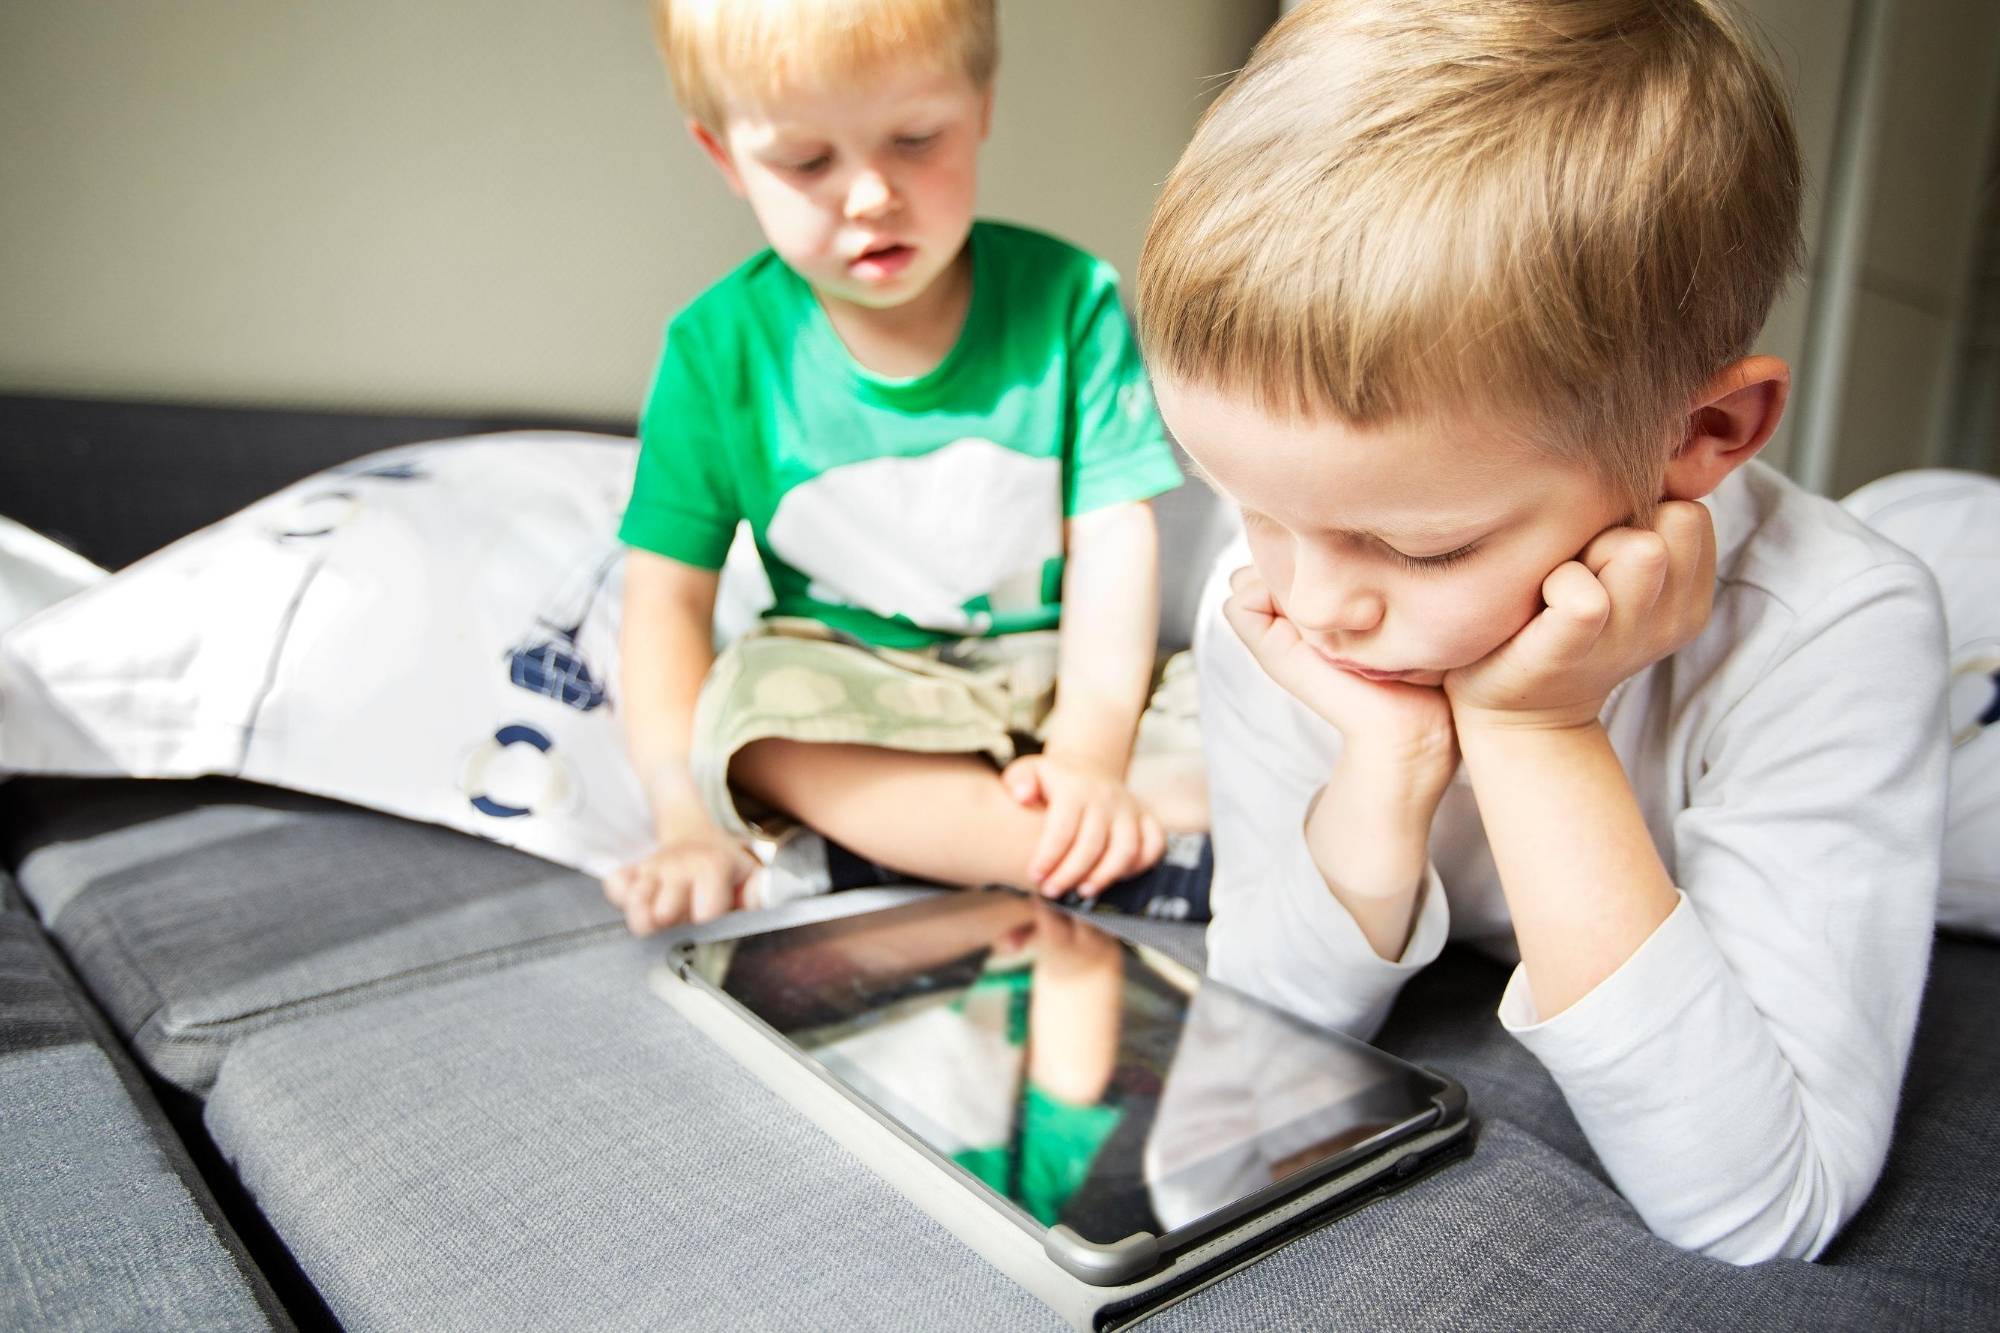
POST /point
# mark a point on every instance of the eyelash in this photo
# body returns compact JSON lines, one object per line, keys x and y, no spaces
{"x":1420,"y":564}
{"x":1432,"y":563}
{"x":908,"y":143}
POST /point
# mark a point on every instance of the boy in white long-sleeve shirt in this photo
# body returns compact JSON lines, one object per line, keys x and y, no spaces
{"x":1457,"y":302}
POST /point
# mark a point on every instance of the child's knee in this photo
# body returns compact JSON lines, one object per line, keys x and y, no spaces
{"x":761,"y":767}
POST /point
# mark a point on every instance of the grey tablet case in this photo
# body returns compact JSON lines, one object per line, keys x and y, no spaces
{"x":1093,"y":1287}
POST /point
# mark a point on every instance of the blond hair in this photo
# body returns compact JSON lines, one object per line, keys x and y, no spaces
{"x":717,"y":49}
{"x":1566,"y":214}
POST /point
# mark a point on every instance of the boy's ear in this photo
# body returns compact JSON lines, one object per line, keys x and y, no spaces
{"x":986,"y":112}
{"x":1732,"y":417}
{"x":711,"y":146}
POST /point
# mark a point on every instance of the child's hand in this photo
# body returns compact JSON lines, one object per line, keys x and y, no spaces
{"x":1400,"y":726}
{"x":697,"y":877}
{"x":1096,"y":832}
{"x":1632,"y":596}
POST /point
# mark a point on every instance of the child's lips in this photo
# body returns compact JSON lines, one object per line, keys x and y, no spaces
{"x":1378,"y":676}
{"x":1366,"y":673}
{"x":882,"y":261}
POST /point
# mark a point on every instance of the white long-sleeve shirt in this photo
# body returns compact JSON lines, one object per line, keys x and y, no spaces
{"x":1738,"y":1074}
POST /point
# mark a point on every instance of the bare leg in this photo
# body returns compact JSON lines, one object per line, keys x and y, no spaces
{"x":936,"y":816}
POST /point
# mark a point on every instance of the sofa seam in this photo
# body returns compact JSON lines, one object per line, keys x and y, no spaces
{"x":225,"y":1031}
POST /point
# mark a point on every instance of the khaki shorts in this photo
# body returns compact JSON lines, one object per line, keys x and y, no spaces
{"x":797,"y":680}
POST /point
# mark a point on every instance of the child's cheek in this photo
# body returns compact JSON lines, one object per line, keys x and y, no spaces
{"x":1470,"y":620}
{"x":798,"y":226}
{"x":947,"y":201}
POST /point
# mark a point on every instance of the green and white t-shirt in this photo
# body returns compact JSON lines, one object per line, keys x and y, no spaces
{"x":901,"y":511}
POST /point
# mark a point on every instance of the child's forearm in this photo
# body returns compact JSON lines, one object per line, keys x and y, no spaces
{"x":665,"y":652}
{"x":1369,"y":831}
{"x":1584,"y":883}
{"x":1074,"y":1015}
{"x":1110,"y":632}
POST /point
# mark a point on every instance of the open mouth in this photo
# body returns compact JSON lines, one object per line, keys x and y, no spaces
{"x":884,"y":260}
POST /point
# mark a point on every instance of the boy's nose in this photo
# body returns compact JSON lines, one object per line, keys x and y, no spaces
{"x":869,"y":195}
{"x":1329,"y":606}
{"x":1331,"y":593}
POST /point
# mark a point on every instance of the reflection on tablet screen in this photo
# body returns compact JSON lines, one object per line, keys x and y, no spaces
{"x":1088,"y":1080}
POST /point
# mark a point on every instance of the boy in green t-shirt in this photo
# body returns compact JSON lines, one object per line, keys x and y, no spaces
{"x":940,"y":436}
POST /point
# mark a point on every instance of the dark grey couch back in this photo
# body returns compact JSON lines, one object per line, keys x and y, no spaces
{"x":116,"y":480}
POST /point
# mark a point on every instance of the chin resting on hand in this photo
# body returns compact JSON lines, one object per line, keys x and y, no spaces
{"x":1392,"y":726}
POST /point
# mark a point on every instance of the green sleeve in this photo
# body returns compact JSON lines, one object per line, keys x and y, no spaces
{"x":1120,"y":451}
{"x":684,"y":503}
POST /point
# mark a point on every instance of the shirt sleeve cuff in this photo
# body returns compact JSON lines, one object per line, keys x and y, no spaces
{"x":1141,"y":473}
{"x":1427,"y":933}
{"x":1293,"y":945}
{"x":692,"y":539}
{"x":1642,"y":997}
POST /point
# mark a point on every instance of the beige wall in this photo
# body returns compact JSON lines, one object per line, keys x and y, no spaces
{"x":1807,"y":40}
{"x":1890,"y":272}
{"x":488,"y":205}
{"x":1931,"y":148}
{"x":481,"y":205}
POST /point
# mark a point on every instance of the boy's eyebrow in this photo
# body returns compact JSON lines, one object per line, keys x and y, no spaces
{"x":785,"y":136}
{"x":920,"y":107}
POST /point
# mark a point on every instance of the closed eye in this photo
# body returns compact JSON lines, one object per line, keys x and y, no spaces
{"x":812,"y":166}
{"x":1252,"y":520}
{"x":916,"y":143}
{"x":1432,"y":563}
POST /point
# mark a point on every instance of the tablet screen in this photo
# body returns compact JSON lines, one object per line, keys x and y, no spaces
{"x":1086,"y":1080}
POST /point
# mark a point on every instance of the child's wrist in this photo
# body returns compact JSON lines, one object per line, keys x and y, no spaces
{"x":1478,"y":708}
{"x":1098,"y":763}
{"x":1371,"y":851}
{"x":1504,"y":749}
{"x":1102,"y":747}
{"x":683,"y":818}
{"x":1474,"y":724}
{"x":1396,"y":803}
{"x":1407,"y":772}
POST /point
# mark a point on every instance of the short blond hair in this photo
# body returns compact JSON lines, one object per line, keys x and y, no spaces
{"x":1566,"y":214}
{"x":717,"y":49}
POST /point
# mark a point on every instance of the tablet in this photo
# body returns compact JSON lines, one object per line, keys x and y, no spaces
{"x":1101,"y":1121}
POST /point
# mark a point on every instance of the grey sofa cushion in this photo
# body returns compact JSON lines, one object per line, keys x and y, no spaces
{"x":1932,"y":1214}
{"x":1520,"y":1237}
{"x":1935,"y":1210}
{"x":198,"y":911}
{"x":551,"y":1145}
{"x":105,"y":1222}
{"x":545,"y":1142}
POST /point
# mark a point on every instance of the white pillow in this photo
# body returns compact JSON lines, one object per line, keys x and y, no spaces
{"x":430,"y":631}
{"x":35,"y":572}
{"x":1951,"y":520}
